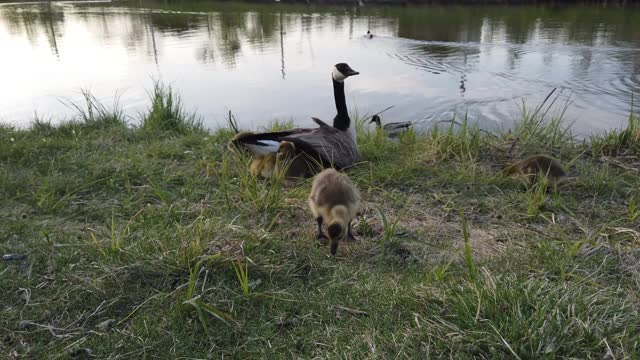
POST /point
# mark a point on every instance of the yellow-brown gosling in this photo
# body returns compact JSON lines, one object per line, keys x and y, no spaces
{"x":293,"y":163}
{"x":334,"y":199}
{"x":535,"y":166}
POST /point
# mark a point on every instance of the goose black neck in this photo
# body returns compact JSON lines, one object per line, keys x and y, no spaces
{"x":341,"y":121}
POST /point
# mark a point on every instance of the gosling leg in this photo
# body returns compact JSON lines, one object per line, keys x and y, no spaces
{"x":350,"y":234}
{"x":320,"y":237}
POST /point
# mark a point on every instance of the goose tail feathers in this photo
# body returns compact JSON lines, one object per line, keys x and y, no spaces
{"x":256,"y":144}
{"x":320,"y":122}
{"x":263,"y":147}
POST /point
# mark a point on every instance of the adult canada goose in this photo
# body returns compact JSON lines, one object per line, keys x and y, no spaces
{"x":325,"y":145}
{"x":392,"y":129}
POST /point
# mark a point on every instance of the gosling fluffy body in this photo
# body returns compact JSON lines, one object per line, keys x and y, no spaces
{"x":263,"y":165}
{"x":535,"y":166}
{"x":334,"y":199}
{"x":294,"y":163}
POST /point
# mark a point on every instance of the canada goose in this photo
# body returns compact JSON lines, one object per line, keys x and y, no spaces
{"x":369,"y":34}
{"x":325,"y":145}
{"x":334,"y":199}
{"x":342,"y":121}
{"x":391,"y":129}
{"x":535,"y":166}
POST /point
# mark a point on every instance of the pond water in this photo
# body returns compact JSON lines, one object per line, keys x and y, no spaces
{"x":273,"y":61}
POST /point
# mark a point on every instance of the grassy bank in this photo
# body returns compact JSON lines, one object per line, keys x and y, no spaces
{"x":152,"y":241}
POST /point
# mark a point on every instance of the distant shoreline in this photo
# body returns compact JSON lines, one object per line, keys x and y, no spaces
{"x":385,"y":2}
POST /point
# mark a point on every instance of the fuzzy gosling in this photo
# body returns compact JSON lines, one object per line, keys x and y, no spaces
{"x":263,"y":166}
{"x":535,"y":166}
{"x":294,"y":163}
{"x":335,"y":200}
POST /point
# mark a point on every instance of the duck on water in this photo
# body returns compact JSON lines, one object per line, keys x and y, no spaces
{"x":308,"y":150}
{"x":392,"y":129}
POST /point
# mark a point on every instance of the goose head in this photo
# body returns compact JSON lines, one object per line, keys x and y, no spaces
{"x":376,"y":119}
{"x":342,"y":71}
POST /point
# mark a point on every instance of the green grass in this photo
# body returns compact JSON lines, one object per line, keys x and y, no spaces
{"x":160,"y":229}
{"x":168,"y":114}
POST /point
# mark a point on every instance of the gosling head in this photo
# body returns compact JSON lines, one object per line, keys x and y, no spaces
{"x":286,"y":149}
{"x":342,"y":71}
{"x":338,"y":226}
{"x":337,"y":233}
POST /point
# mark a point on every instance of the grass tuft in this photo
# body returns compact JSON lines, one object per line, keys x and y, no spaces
{"x":468,"y":255}
{"x":167,"y":114}
{"x":625,"y":142}
{"x":242,"y":273}
{"x":460,"y":144}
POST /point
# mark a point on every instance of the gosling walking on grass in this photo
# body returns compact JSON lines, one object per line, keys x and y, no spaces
{"x":335,"y":200}
{"x":537,"y":167}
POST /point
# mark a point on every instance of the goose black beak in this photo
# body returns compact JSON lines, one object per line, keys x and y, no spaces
{"x":352,"y":72}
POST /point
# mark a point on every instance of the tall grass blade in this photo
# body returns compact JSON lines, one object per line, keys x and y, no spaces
{"x":468,"y":255}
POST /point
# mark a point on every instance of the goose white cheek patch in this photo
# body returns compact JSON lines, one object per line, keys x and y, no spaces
{"x":337,"y":75}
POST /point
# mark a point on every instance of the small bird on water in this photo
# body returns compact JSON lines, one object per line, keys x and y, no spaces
{"x":392,"y":129}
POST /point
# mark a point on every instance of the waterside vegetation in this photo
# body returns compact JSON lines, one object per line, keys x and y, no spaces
{"x":154,"y":241}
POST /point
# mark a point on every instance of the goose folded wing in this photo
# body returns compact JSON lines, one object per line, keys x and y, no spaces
{"x":264,"y":143}
{"x":328,"y":144}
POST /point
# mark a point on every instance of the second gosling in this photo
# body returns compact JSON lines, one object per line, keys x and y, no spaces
{"x":294,"y":164}
{"x":334,"y":199}
{"x":262,"y":166}
{"x":535,"y":166}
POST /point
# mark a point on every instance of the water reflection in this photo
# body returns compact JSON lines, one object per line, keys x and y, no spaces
{"x":272,"y":61}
